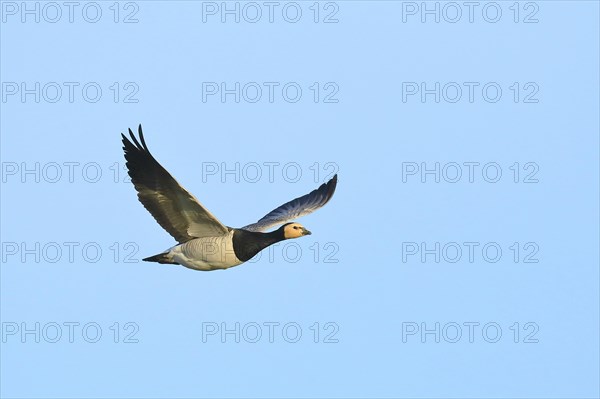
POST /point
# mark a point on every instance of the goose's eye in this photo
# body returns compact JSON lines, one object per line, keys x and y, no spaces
{"x":295,"y":227}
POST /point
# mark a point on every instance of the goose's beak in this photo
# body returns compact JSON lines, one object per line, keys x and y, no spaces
{"x":305,"y":232}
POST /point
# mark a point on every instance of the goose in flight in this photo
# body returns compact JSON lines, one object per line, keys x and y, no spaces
{"x":204,"y":243}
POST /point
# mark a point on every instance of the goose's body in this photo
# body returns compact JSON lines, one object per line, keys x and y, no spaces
{"x":204,"y":242}
{"x":205,"y":253}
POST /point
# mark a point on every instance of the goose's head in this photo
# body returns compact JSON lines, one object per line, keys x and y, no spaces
{"x":294,"y":230}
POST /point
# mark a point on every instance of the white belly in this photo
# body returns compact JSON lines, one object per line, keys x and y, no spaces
{"x":206,"y":253}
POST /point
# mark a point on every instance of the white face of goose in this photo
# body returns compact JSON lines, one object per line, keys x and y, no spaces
{"x":295,"y":230}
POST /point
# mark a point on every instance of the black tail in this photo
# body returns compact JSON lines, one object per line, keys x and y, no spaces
{"x":160,"y":258}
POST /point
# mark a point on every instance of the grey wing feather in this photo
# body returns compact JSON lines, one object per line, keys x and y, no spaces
{"x":173,"y":207}
{"x":295,"y":208}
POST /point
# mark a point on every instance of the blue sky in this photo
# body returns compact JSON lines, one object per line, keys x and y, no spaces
{"x":458,"y":257}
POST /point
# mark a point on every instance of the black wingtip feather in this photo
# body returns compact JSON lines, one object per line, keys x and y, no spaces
{"x":142,"y":137}
{"x":333,"y":181}
{"x":135,"y":140}
{"x":330,"y":185}
{"x":127,"y":145}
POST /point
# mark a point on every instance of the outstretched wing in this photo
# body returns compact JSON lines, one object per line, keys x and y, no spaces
{"x":295,"y":208}
{"x":175,"y":209}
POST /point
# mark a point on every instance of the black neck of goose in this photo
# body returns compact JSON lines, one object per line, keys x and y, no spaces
{"x":246,"y":243}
